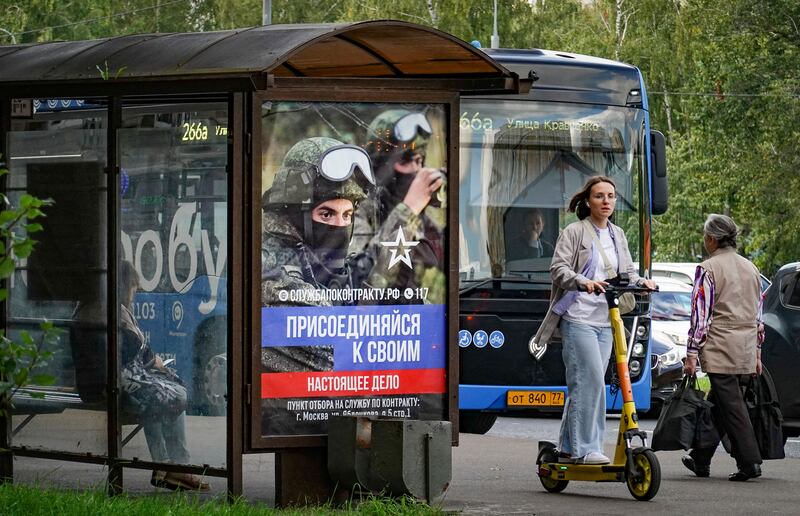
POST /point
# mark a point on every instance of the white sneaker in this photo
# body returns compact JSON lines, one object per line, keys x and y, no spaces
{"x":564,"y":459}
{"x":594,"y":458}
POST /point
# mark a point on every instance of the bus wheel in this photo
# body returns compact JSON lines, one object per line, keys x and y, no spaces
{"x":210,"y":369}
{"x":215,"y":385}
{"x":645,"y":463}
{"x":474,"y":422}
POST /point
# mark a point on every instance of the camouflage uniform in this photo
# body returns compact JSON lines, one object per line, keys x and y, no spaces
{"x":378,"y":218}
{"x":288,"y":262}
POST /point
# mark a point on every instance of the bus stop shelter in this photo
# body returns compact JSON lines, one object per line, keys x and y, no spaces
{"x":158,"y":150}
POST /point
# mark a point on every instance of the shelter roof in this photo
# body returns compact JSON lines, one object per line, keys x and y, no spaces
{"x":373,"y":49}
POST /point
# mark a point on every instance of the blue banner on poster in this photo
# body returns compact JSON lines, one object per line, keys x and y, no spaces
{"x":363,"y":337}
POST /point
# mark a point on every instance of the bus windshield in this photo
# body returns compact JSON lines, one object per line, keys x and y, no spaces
{"x":522,"y":161}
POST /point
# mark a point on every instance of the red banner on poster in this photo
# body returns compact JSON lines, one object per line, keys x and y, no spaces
{"x":355,"y":383}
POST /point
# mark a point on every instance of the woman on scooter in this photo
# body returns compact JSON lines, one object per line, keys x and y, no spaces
{"x":579,"y":270}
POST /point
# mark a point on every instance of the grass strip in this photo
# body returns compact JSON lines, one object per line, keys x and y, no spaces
{"x":27,"y":500}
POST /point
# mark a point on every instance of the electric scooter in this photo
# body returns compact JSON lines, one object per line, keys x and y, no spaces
{"x":637,"y":467}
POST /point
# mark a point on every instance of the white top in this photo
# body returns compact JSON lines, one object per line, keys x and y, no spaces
{"x":588,"y":308}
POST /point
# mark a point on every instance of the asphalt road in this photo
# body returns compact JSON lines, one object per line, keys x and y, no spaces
{"x":495,"y":474}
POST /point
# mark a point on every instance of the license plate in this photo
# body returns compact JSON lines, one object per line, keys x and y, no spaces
{"x":535,"y":399}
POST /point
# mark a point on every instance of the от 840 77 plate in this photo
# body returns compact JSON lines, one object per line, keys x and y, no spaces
{"x":535,"y":399}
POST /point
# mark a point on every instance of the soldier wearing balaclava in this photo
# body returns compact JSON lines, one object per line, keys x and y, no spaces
{"x":307,"y":220}
{"x":306,"y":229}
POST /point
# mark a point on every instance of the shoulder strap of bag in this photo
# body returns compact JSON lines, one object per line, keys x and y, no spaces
{"x":610,"y":273}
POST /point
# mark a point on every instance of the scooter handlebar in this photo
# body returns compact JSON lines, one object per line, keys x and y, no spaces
{"x":630,"y":288}
{"x":627,"y":288}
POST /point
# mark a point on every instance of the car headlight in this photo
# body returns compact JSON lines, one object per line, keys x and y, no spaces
{"x":635,"y":367}
{"x":638,"y":349}
{"x":669,"y":358}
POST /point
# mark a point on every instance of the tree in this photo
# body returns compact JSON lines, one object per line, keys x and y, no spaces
{"x":722,"y":80}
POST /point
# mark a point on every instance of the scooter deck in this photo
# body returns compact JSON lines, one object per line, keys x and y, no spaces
{"x":590,"y":472}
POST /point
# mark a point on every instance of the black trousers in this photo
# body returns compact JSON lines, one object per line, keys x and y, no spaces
{"x":731,"y":419}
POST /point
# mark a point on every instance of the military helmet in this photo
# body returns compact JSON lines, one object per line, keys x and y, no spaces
{"x":395,"y":136}
{"x":319,"y":169}
{"x":398,"y":129}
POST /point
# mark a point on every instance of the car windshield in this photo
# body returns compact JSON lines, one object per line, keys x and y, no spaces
{"x":671,"y":306}
{"x":521,"y":163}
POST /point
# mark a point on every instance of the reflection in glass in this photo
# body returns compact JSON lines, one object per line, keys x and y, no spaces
{"x":60,"y":153}
{"x":173,"y":189}
{"x":671,"y":306}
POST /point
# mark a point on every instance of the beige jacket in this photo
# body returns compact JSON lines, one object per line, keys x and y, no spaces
{"x":572,"y":252}
{"x":730,"y":346}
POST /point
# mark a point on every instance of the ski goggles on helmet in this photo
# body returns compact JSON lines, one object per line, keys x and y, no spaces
{"x":339,"y":162}
{"x":407,"y":128}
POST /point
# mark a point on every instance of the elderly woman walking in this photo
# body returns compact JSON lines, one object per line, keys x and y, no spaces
{"x":726,"y":334}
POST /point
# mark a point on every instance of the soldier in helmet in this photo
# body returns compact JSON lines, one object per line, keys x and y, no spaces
{"x":307,"y":226}
{"x":406,"y":196}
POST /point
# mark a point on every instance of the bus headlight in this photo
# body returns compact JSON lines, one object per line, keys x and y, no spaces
{"x":638,"y":349}
{"x":641,"y":331}
{"x":635,"y":367}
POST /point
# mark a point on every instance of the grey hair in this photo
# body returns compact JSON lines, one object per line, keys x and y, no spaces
{"x":722,"y":229}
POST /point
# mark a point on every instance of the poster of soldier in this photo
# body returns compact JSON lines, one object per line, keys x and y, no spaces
{"x":353,"y":280}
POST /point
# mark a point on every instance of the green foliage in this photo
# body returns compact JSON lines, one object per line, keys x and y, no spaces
{"x":106,"y":74}
{"x":722,"y":80}
{"x":20,"y":359}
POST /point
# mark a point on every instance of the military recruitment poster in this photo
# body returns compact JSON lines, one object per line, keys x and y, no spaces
{"x":353,"y":286}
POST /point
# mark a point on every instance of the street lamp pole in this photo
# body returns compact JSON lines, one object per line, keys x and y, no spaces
{"x":495,"y":36}
{"x":266,"y":12}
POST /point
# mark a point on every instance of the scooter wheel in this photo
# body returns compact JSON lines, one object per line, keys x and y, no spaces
{"x":550,"y":484}
{"x":646,"y":464}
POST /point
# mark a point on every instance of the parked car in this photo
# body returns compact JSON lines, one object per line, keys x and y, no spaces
{"x":666,"y":363}
{"x":684,"y":272}
{"x":670,"y":309}
{"x":781,"y":350}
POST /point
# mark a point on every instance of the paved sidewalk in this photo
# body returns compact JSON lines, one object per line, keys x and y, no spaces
{"x":495,"y":474}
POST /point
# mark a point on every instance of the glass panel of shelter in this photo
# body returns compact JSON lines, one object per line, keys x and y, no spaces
{"x":59,"y":152}
{"x":173,"y":280}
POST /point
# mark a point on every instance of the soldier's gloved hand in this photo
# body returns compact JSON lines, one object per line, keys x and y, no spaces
{"x":425,"y":183}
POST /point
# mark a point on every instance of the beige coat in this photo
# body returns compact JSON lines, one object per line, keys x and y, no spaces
{"x":572,"y":252}
{"x":730,"y":346}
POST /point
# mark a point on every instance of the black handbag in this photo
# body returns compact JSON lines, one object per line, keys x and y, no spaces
{"x":677,"y":424}
{"x":705,"y":434}
{"x":765,"y":416}
{"x":150,"y":391}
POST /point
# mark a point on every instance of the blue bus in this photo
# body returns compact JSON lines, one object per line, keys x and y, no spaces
{"x":521,"y":159}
